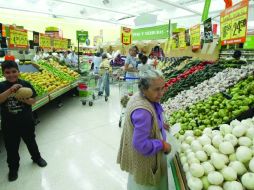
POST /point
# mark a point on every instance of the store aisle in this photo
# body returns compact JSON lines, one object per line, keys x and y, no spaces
{"x":80,"y":144}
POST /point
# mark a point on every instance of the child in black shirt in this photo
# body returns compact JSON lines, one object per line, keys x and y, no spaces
{"x":16,"y":119}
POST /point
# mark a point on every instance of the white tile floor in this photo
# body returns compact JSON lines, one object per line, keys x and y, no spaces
{"x":80,"y":144}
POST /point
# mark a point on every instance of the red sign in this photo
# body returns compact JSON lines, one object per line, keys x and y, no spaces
{"x":18,"y":38}
{"x":228,"y":3}
{"x":215,"y":29}
{"x":233,"y":23}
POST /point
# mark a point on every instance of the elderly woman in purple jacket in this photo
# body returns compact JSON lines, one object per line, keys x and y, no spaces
{"x":143,"y":143}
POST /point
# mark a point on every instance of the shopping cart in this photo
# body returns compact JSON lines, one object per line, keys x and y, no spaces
{"x":87,"y":88}
{"x":117,"y":72}
{"x":127,"y":87}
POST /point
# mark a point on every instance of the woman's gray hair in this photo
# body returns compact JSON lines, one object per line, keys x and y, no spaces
{"x":146,"y":78}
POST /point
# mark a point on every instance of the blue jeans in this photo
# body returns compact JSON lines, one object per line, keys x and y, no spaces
{"x":104,"y":84}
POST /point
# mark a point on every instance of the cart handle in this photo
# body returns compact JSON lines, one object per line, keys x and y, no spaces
{"x":131,"y":78}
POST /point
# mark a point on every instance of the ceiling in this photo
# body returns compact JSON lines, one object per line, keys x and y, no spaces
{"x":121,"y":12}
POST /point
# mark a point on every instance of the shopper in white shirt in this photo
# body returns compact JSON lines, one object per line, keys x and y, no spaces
{"x":73,"y":58}
{"x":97,"y":59}
{"x":143,"y":67}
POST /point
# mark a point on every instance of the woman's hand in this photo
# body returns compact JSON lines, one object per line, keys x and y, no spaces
{"x":166,"y":147}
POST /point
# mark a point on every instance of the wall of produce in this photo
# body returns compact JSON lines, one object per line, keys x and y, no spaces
{"x":206,"y":98}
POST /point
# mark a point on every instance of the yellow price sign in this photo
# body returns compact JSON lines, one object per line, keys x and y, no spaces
{"x":126,"y":35}
{"x":182,"y":42}
{"x":234,"y":23}
{"x":57,"y":43}
{"x":45,"y":41}
{"x":64,"y":44}
{"x":18,"y":38}
{"x":195,"y":36}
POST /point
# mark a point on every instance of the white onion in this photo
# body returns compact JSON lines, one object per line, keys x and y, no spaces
{"x":197,"y":170}
{"x":201,"y":155}
{"x":226,"y":148}
{"x":239,"y":130}
{"x":244,"y":141}
{"x":229,"y":174}
{"x":248,"y":180}
{"x":238,"y":167}
{"x":215,"y":178}
{"x":243,"y":154}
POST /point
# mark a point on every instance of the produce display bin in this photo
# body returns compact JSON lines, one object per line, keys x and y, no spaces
{"x":41,"y":102}
{"x":178,"y":174}
{"x":59,"y":92}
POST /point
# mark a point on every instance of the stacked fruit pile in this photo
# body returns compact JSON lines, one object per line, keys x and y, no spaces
{"x":220,"y":159}
{"x":64,"y":69}
{"x":57,"y":72}
{"x":44,"y":81}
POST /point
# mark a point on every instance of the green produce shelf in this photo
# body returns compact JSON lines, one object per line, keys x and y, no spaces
{"x":74,"y":84}
{"x":59,"y":92}
{"x":41,"y":102}
{"x":178,"y":174}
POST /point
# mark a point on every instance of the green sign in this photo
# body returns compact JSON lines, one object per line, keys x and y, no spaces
{"x":82,"y":36}
{"x":151,"y":33}
{"x":206,"y":10}
{"x":249,"y":44}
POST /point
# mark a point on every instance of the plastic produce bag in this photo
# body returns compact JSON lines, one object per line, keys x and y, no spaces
{"x":175,"y":144}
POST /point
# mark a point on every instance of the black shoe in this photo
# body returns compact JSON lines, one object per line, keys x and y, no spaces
{"x":41,"y":162}
{"x":100,"y":93}
{"x":13,"y":175}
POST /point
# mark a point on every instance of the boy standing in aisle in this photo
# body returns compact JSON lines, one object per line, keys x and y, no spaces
{"x":16,"y":119}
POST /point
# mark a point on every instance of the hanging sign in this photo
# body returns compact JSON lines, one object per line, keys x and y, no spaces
{"x":215,"y":28}
{"x":57,"y":43}
{"x":151,"y":33}
{"x":18,"y":38}
{"x":64,"y":44}
{"x":228,"y":3}
{"x":82,"y":36}
{"x":45,"y":41}
{"x":126,"y":35}
{"x":208,"y":31}
{"x":182,"y":42}
{"x":36,"y":39}
{"x":195,"y":36}
{"x":233,"y":23}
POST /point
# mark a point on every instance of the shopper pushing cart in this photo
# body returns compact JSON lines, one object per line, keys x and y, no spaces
{"x":104,"y":71}
{"x":129,"y":85}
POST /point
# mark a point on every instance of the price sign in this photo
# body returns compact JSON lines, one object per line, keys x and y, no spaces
{"x":64,"y":44}
{"x":234,"y":23}
{"x":195,"y":36}
{"x":45,"y":41}
{"x":18,"y":38}
{"x":126,"y":35}
{"x":57,"y":43}
{"x":182,"y":42}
